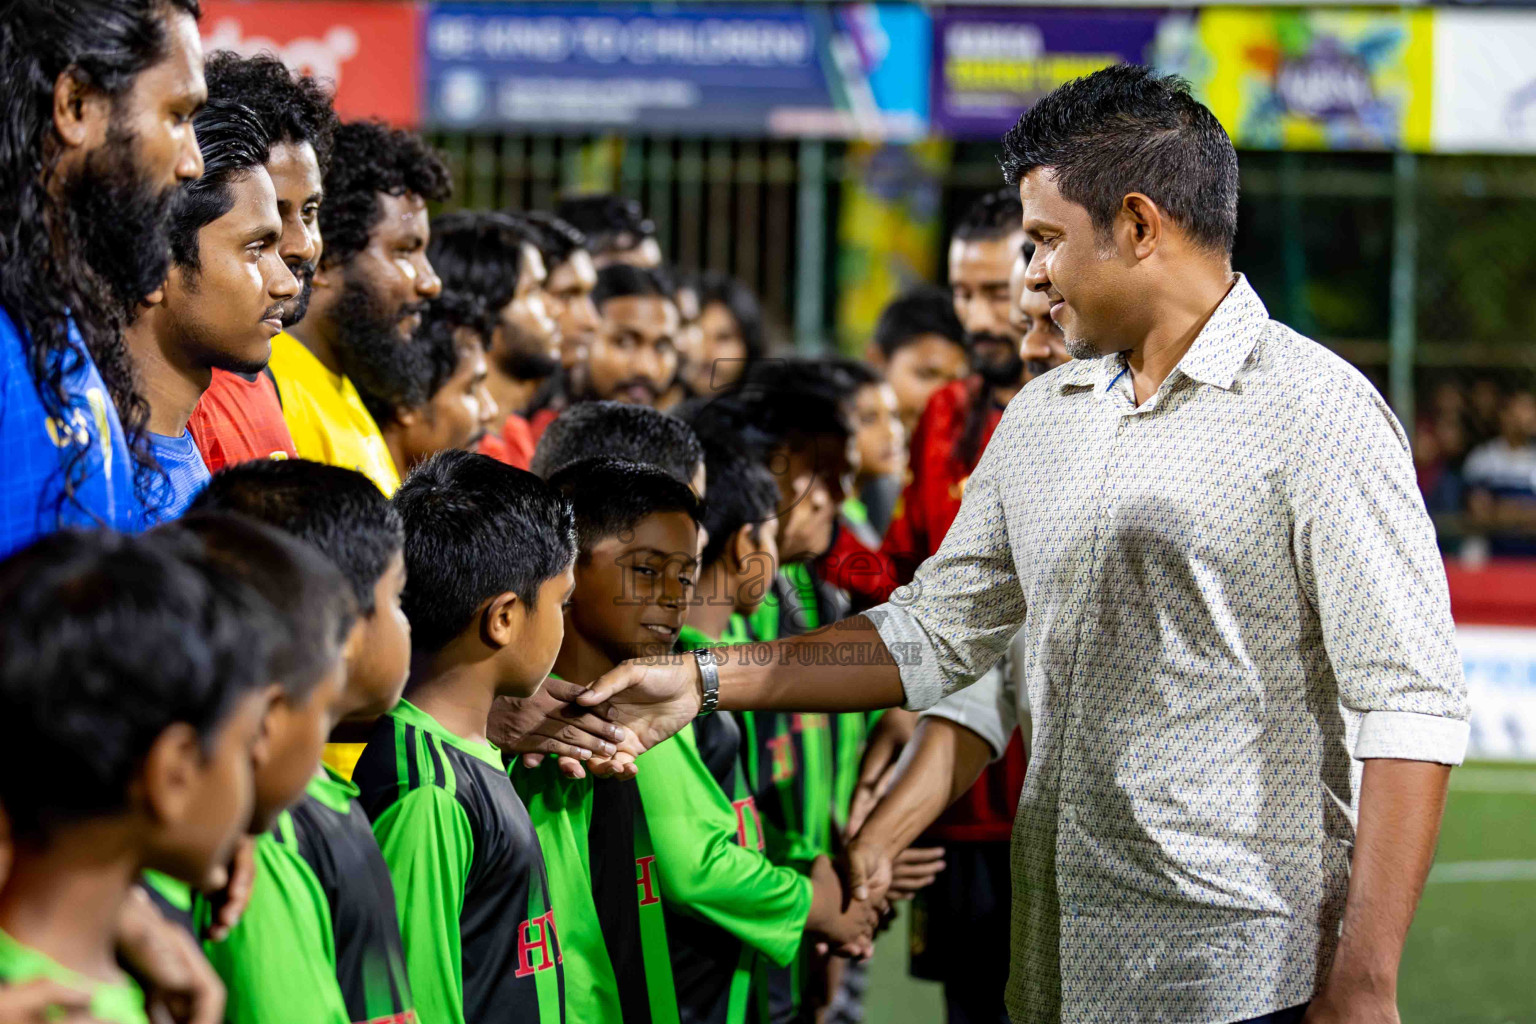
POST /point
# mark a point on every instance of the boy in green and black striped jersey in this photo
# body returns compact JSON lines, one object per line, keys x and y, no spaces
{"x":489,"y":554}
{"x":320,"y":940}
{"x":686,"y":900}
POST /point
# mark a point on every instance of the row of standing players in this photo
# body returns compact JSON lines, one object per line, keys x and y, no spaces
{"x":400,"y":339}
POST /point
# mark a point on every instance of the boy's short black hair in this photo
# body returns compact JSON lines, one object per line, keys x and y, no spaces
{"x":620,"y":280}
{"x":1128,"y":129}
{"x":233,"y":144}
{"x":638,"y":433}
{"x":612,"y":496}
{"x":107,"y":639}
{"x":558,"y":240}
{"x":741,"y":493}
{"x":914,"y":314}
{"x":782,"y":403}
{"x":339,"y":511}
{"x":293,"y":109}
{"x":371,"y":159}
{"x":609,"y":223}
{"x":995,"y":215}
{"x":309,"y":593}
{"x":476,"y":528}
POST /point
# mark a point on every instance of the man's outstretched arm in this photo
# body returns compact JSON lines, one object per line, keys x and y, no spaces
{"x":953,"y":624}
{"x":1400,"y":807}
{"x":842,"y":667}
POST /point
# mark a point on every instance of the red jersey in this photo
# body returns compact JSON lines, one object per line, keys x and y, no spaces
{"x":541,"y":419}
{"x":514,"y":445}
{"x":928,"y":505}
{"x":238,"y":420}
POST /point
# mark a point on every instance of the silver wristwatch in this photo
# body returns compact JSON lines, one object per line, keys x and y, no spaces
{"x":709,"y":676}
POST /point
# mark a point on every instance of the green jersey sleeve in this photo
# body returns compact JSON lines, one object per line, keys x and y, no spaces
{"x":703,"y":871}
{"x":428,"y":844}
{"x":279,"y":962}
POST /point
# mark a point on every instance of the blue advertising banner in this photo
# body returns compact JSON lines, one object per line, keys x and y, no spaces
{"x":854,"y":70}
{"x":991,"y":64}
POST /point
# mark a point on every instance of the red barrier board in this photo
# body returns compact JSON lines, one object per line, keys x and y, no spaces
{"x":370,"y":50}
{"x":1500,"y":593}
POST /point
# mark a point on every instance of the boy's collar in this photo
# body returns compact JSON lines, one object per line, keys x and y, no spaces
{"x":333,"y":789}
{"x":410,"y":714}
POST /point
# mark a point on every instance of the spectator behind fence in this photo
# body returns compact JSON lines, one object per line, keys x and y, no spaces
{"x":1501,"y":481}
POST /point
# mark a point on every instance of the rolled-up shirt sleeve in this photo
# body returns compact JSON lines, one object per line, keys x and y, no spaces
{"x":954,"y":620}
{"x":1366,"y":555}
{"x":988,"y":708}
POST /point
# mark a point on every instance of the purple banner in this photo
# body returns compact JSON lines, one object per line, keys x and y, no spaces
{"x":991,"y":64}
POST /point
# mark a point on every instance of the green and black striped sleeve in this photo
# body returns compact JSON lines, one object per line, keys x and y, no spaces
{"x":427,"y":842}
{"x":279,"y":961}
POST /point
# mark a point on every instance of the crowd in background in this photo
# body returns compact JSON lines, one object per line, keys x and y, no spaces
{"x":1474,"y":449}
{"x":284,"y":444}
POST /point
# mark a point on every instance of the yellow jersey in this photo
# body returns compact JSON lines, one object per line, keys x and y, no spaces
{"x":326,"y":416}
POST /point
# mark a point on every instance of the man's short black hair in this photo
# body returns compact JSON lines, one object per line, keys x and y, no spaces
{"x":476,"y":528}
{"x":992,"y":216}
{"x":590,"y":430}
{"x":612,"y":496}
{"x":233,"y":143}
{"x":558,"y":240}
{"x":369,"y":159}
{"x":293,"y":109}
{"x":739,"y":300}
{"x":306,"y":589}
{"x":923,"y":311}
{"x":741,"y":493}
{"x":620,"y":280}
{"x":479,"y":257}
{"x":108,"y":639}
{"x":339,"y":511}
{"x":1129,"y":129}
{"x":610,"y":223}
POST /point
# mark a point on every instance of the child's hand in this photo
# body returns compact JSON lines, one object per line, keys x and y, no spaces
{"x":40,"y":1001}
{"x":914,"y":869}
{"x":548,"y":723}
{"x":622,"y":764}
{"x":848,"y":925}
{"x":179,"y":984}
{"x":229,"y":891}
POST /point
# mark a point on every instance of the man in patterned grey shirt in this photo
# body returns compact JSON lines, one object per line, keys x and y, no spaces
{"x":1237,"y":650}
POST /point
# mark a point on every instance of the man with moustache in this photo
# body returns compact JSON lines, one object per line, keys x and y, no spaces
{"x":223,"y":299}
{"x":633,"y":357}
{"x":239,"y":417}
{"x":1238,"y":657}
{"x":371,"y":285}
{"x":95,"y":135}
{"x":493,"y":286}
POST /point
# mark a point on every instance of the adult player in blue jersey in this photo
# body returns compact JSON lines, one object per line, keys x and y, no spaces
{"x":95,"y":134}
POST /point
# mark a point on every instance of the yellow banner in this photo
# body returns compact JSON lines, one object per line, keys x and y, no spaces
{"x":1315,"y":78}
